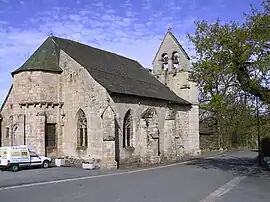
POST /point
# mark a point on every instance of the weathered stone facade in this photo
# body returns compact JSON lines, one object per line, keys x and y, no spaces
{"x":89,"y":122}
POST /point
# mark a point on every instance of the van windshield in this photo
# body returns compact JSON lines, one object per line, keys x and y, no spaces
{"x":32,"y":153}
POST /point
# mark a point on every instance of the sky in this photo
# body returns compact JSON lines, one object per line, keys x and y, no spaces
{"x":132,"y":28}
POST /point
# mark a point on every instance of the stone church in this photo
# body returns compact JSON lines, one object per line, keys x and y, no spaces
{"x":70,"y":99}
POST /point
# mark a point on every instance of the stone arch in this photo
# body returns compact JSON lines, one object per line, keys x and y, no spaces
{"x":149,"y":113}
{"x":128,"y":130}
{"x":82,"y":136}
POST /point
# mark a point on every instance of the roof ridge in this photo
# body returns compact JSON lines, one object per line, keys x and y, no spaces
{"x":99,"y":49}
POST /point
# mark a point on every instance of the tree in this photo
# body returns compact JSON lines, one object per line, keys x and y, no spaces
{"x":231,"y":66}
{"x":239,"y":55}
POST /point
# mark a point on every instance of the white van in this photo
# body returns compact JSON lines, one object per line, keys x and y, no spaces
{"x":14,"y":157}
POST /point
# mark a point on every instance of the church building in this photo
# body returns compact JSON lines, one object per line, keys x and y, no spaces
{"x":73,"y":100}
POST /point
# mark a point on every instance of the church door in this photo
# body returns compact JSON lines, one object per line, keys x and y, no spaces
{"x":50,"y":139}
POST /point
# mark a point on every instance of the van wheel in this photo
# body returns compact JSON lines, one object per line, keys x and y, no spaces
{"x":14,"y":168}
{"x":46,"y":164}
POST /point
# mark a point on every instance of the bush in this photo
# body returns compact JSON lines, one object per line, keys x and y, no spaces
{"x":265,"y":146}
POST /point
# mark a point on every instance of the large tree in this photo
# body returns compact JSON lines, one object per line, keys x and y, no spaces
{"x":231,"y":66}
{"x":234,"y":55}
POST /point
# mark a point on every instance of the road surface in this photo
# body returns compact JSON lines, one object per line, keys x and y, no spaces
{"x":229,"y":177}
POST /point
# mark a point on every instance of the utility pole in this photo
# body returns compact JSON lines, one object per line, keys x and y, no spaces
{"x":258,"y":131}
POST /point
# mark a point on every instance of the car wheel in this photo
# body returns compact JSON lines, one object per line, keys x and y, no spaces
{"x":46,"y":164}
{"x":14,"y":168}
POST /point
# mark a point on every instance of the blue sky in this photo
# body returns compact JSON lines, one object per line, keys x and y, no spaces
{"x":133,"y":28}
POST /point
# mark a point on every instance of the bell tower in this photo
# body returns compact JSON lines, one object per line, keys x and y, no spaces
{"x":171,"y":66}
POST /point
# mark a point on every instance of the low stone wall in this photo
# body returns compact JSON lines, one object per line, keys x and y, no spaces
{"x":155,"y":161}
{"x":132,"y":162}
{"x":208,"y":141}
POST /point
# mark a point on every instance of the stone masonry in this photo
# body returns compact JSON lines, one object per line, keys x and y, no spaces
{"x":91,"y":123}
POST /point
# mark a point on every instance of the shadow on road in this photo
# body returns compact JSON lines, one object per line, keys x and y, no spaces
{"x":238,"y":166}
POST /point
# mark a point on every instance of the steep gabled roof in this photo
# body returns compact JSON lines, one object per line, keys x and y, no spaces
{"x":116,"y":73}
{"x":5,"y":100}
{"x":45,"y":58}
{"x":175,"y":40}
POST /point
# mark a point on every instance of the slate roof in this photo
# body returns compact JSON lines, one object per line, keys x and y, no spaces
{"x":46,"y":58}
{"x":116,"y":73}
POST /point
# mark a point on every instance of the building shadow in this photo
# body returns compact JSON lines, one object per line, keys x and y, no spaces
{"x":238,"y":166}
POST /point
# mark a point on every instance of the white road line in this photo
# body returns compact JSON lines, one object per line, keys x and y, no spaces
{"x":99,"y":176}
{"x":226,"y":187}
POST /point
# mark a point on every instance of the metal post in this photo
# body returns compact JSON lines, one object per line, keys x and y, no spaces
{"x":258,"y":131}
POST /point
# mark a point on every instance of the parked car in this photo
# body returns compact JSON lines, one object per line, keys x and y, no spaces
{"x":15,"y":157}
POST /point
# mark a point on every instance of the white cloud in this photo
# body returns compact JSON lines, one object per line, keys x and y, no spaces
{"x":3,"y":22}
{"x":98,"y":25}
{"x":5,"y":1}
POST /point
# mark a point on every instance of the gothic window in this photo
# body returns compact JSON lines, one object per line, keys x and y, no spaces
{"x":7,"y":132}
{"x":82,"y":137}
{"x":127,"y":130}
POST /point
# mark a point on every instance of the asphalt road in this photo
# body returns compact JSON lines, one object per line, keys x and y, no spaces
{"x":229,"y":177}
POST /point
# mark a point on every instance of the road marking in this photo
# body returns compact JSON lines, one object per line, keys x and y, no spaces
{"x":99,"y":176}
{"x":226,"y":187}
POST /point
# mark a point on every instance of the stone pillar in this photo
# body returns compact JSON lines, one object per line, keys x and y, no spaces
{"x":170,"y":66}
{"x":183,"y":131}
{"x":108,"y":157}
{"x":108,"y":146}
{"x":194,"y":137}
{"x":19,"y":129}
{"x":9,"y":131}
{"x":36,"y":136}
{"x":169,"y":146}
{"x":143,"y":139}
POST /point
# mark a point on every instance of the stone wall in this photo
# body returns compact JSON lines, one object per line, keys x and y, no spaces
{"x":35,"y":86}
{"x":33,"y":102}
{"x":81,"y":91}
{"x":154,"y":138}
{"x":6,"y":114}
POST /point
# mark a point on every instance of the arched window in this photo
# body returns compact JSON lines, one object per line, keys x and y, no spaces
{"x":82,"y":140}
{"x":175,"y":59}
{"x":127,"y":130}
{"x":165,"y":59}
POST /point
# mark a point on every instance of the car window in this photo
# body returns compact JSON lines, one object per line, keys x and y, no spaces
{"x":32,"y":153}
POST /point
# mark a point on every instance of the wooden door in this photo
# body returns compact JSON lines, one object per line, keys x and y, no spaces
{"x":50,"y":139}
